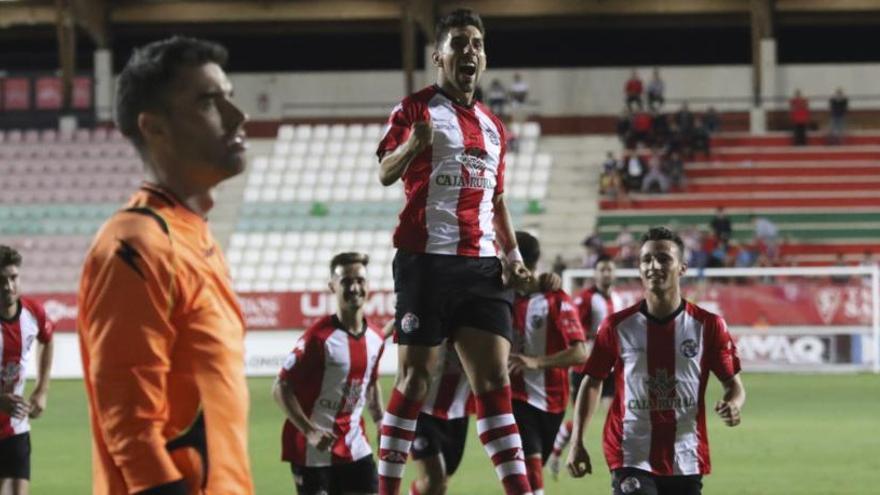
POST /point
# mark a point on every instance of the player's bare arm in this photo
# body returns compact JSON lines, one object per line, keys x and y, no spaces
{"x":393,"y":165}
{"x":374,"y":402}
{"x":317,"y":437}
{"x":576,"y":354}
{"x":730,"y":407}
{"x":585,"y":407}
{"x":517,"y":273}
{"x":41,"y":388}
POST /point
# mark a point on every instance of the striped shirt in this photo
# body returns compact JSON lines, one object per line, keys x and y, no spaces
{"x":657,"y":421}
{"x":450,"y":186}
{"x":330,"y":371}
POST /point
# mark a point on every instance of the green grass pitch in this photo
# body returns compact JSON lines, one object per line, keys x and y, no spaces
{"x":801,"y":434}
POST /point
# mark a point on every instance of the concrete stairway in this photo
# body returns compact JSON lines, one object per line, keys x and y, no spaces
{"x":230,"y":193}
{"x":572,"y":195}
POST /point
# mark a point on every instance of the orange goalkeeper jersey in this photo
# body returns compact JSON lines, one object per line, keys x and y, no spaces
{"x":162,"y":342}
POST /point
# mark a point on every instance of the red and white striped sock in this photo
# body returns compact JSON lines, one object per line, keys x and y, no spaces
{"x":500,"y":436}
{"x":398,"y":431}
{"x":562,"y":437}
{"x":535,"y":468}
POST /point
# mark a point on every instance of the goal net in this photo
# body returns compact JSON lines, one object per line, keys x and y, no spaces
{"x":822,"y":319}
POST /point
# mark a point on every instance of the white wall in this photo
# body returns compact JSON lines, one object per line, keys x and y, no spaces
{"x":558,"y":92}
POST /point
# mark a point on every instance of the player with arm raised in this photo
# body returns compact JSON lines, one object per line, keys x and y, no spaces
{"x":660,"y":351}
{"x":449,"y":151}
{"x":324,"y":385}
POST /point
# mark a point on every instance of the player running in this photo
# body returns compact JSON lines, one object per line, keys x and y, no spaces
{"x":449,"y":150}
{"x":23,"y":326}
{"x":548,"y":339}
{"x":325,"y":382}
{"x":161,"y":331}
{"x":661,"y":351}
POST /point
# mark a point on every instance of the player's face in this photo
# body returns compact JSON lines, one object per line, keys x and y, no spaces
{"x":203,"y":139}
{"x":604,"y":275}
{"x":461,"y":59}
{"x":660,"y":266}
{"x":9,"y":286}
{"x":349,"y":284}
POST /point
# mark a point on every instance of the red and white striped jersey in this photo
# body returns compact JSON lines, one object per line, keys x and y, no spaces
{"x":594,"y":306}
{"x":330,"y":371}
{"x":449,"y":396}
{"x":657,"y":421}
{"x":451,"y":185}
{"x":544,"y":323}
{"x":16,"y":348}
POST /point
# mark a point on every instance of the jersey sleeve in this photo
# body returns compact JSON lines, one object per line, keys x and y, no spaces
{"x":723,"y":357}
{"x":502,"y":162}
{"x":585,"y":311}
{"x":399,"y":126}
{"x":46,"y":326}
{"x":374,"y":377}
{"x":129,"y":336}
{"x":567,"y":320}
{"x":303,"y":359}
{"x":604,"y":353}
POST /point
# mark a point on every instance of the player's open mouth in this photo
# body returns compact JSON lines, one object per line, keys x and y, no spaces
{"x":469,"y":69}
{"x":238,"y":142}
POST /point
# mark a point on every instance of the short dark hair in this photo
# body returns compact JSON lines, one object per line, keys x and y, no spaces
{"x":9,"y":256}
{"x":457,"y":19}
{"x":144,"y":81}
{"x":529,"y":247}
{"x":662,"y":233}
{"x":602,"y":258}
{"x":347,"y":259}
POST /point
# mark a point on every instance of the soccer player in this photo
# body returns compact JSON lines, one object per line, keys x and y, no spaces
{"x":594,"y":304}
{"x":661,"y":351}
{"x":23,"y":324}
{"x":323,"y":386}
{"x":161,"y":330}
{"x":441,"y":430}
{"x":449,"y":150}
{"x":548,"y":339}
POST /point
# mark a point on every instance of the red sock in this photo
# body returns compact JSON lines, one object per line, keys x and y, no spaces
{"x":500,"y":436}
{"x":534,"y":467}
{"x":398,"y":431}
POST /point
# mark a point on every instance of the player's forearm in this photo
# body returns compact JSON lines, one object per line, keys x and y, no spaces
{"x":44,"y":366}
{"x":576,"y":354}
{"x":394,"y":164}
{"x":504,"y":225}
{"x":585,"y":407}
{"x":289,"y":404}
{"x":374,"y":403}
{"x":734,"y":391}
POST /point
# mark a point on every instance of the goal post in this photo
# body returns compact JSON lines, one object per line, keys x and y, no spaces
{"x":822,"y":319}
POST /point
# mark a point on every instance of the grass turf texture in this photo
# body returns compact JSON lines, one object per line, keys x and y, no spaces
{"x":804,"y":434}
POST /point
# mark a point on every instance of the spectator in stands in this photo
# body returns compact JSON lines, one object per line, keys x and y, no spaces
{"x":799,"y":114}
{"x":497,"y":98}
{"x":594,"y":241}
{"x":674,"y":167}
{"x":659,"y":127}
{"x":633,"y":91}
{"x":641,"y":129}
{"x":721,"y":225}
{"x":839,"y":106}
{"x":712,"y":120}
{"x":609,"y":173}
{"x":633,"y":172}
{"x":766,"y":235}
{"x":627,"y":250}
{"x":655,"y":177}
{"x":700,"y":139}
{"x":684,"y":119}
{"x":559,"y":265}
{"x":656,"y":90}
{"x":519,"y":90}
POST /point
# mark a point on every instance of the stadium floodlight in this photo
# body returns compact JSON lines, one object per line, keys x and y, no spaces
{"x":822,"y":319}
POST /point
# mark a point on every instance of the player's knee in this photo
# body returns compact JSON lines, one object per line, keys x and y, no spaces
{"x":413,"y":381}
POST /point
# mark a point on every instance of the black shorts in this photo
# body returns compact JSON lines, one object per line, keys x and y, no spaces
{"x":15,"y":456}
{"x":576,"y":378}
{"x":437,"y":294}
{"x":537,"y":429}
{"x":440,"y":436}
{"x":631,"y":481}
{"x":359,"y":476}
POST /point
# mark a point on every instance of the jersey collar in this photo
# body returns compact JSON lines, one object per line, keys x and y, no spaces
{"x":643,"y":308}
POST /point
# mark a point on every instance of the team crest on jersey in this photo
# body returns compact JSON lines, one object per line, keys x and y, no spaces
{"x":351,"y":395}
{"x":630,"y":484}
{"x":537,"y":321}
{"x":689,"y":348}
{"x":409,"y":322}
{"x":9,"y":376}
